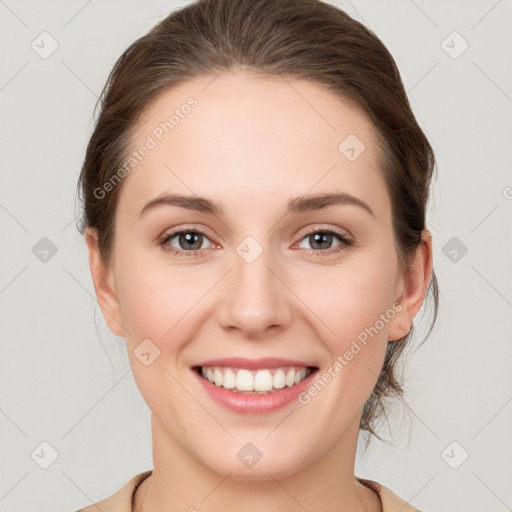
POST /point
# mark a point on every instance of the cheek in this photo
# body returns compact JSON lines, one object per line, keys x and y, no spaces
{"x":147,"y":310}
{"x":352,"y":298}
{"x":154,"y":302}
{"x":354,"y":305}
{"x":153,"y":297}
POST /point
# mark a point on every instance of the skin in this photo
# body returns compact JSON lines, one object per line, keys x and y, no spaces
{"x":251,"y":144}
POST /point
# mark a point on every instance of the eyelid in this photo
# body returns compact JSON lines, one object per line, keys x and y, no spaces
{"x":308,"y":231}
{"x":170,"y":233}
{"x":327,"y":227}
{"x":346,"y":239}
{"x":196,"y":228}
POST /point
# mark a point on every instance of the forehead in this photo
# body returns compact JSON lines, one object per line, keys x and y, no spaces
{"x":239,"y":136}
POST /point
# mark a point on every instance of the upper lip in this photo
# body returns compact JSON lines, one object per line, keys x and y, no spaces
{"x":252,"y":364}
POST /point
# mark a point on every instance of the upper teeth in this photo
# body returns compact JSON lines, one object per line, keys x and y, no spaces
{"x":256,"y":380}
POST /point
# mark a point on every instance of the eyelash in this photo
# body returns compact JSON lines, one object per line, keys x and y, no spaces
{"x":344,"y":244}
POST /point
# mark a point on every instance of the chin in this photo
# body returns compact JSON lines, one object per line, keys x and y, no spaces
{"x":275,"y":466}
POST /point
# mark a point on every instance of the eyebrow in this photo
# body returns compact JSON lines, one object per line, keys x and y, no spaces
{"x":300,"y":204}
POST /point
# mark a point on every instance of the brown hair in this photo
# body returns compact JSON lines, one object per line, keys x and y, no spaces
{"x":302,"y":39}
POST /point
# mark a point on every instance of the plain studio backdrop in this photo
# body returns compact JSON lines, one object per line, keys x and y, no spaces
{"x":73,"y":425}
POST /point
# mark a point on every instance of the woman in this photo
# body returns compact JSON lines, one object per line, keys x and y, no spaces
{"x":254,"y":196}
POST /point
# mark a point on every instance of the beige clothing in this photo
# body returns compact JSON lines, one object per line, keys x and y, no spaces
{"x":121,"y":501}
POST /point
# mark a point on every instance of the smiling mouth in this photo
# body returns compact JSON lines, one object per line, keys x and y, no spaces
{"x":254,"y":382}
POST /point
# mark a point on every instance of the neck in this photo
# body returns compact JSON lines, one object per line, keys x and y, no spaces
{"x":180,"y":482}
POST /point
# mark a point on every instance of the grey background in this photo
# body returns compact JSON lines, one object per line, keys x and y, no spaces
{"x":57,"y":381}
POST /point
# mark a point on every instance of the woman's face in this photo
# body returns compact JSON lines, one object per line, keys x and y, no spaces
{"x":258,"y":278}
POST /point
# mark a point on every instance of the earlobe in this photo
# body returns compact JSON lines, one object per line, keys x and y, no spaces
{"x":104,"y":284}
{"x":415,"y":284}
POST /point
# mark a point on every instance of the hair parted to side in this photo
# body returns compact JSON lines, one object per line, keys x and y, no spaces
{"x":292,"y":39}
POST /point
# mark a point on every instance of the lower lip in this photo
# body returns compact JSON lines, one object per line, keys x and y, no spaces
{"x":256,"y":404}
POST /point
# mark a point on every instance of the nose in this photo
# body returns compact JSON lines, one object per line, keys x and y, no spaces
{"x":255,"y":299}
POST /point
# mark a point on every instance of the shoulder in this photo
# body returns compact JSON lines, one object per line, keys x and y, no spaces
{"x":121,"y":501}
{"x":390,"y":501}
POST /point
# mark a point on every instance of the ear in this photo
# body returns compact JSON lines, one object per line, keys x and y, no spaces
{"x":414,"y":285}
{"x":104,"y":285}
